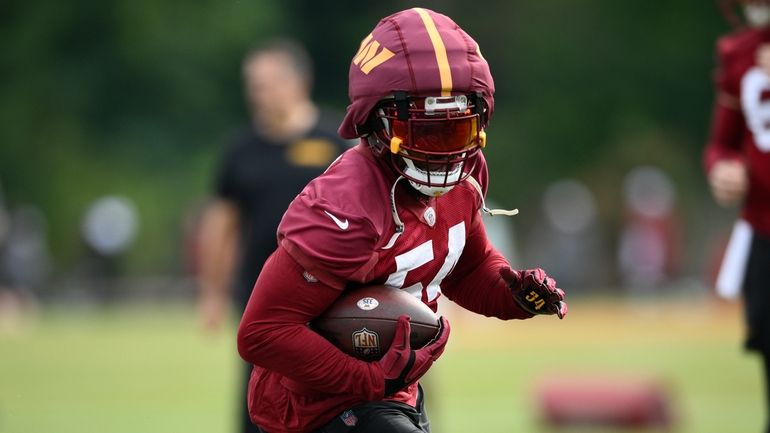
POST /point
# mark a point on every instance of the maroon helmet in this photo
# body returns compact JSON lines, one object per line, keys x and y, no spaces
{"x":422,"y":93}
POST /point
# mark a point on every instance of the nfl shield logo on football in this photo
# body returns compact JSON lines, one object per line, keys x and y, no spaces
{"x":349,"y":418}
{"x":366,"y":343}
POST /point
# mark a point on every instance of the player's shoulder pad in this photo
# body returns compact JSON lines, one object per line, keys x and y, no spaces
{"x":335,"y":223}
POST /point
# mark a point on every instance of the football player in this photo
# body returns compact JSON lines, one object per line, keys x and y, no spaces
{"x":402,"y":208}
{"x":737,"y":163}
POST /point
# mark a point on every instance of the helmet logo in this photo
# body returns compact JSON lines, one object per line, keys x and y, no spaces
{"x":369,"y":55}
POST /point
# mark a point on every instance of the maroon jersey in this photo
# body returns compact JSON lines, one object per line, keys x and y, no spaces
{"x":341,"y":232}
{"x":741,"y":121}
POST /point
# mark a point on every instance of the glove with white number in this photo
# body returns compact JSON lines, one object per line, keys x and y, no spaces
{"x":402,"y":365}
{"x":535,"y":291}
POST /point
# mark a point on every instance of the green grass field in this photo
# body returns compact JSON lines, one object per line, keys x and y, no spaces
{"x":151,"y":369}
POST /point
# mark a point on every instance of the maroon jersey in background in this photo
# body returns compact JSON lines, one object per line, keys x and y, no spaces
{"x":340,"y":230}
{"x":741,"y":122}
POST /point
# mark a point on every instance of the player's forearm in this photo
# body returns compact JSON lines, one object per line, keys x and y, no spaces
{"x":218,"y":248}
{"x":215,"y":282}
{"x":478,"y":286}
{"x":727,"y":126}
{"x":475,"y":283}
{"x":303,"y":356}
{"x":274,"y":333}
{"x":483,"y":291}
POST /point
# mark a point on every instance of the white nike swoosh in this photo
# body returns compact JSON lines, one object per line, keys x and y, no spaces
{"x":341,"y":224}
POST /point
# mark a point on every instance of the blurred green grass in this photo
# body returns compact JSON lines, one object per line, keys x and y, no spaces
{"x":132,"y":369}
{"x":152,"y":369}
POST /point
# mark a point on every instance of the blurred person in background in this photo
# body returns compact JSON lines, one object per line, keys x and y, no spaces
{"x":287,"y":142}
{"x":25,"y":263}
{"x":403,"y":208}
{"x":109,"y":227}
{"x":737,"y":164}
{"x":649,"y":248}
{"x":569,"y":239}
{"x":9,"y":303}
{"x":5,"y":228}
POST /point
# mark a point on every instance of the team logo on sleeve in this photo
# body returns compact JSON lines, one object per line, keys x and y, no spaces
{"x":366,"y":343}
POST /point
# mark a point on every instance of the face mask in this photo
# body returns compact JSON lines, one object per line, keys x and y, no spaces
{"x":424,"y":176}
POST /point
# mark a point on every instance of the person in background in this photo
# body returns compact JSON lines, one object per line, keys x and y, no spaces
{"x":648,"y":252}
{"x":109,"y":227}
{"x":737,"y":164}
{"x":568,"y":236}
{"x":287,"y":142}
{"x":25,"y":263}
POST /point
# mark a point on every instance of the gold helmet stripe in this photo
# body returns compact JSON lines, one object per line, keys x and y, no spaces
{"x":444,"y":71}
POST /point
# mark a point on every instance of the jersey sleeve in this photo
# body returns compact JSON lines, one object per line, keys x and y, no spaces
{"x":273,"y":333}
{"x":333,"y":244}
{"x":475,"y":283}
{"x":333,"y":226}
{"x":727,"y":121}
{"x":725,"y":80}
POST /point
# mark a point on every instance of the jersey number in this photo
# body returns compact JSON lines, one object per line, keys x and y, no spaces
{"x":423,"y":254}
{"x":755,"y":98}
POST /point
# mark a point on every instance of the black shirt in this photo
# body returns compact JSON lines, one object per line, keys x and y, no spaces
{"x":261,"y":177}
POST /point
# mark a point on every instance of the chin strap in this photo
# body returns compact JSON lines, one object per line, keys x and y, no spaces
{"x":394,"y":212}
{"x":400,"y":224}
{"x":484,"y":207}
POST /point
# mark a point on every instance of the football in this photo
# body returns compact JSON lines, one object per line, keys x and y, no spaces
{"x":362,"y":322}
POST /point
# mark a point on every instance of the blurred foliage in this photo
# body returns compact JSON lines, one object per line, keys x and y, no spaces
{"x":127,"y":97}
{"x":135,"y":97}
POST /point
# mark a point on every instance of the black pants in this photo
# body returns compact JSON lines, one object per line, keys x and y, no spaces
{"x":380,"y":417}
{"x":766,"y":364}
{"x":756,"y":289}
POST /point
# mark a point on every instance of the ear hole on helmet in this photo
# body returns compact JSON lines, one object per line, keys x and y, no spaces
{"x":482,"y":139}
